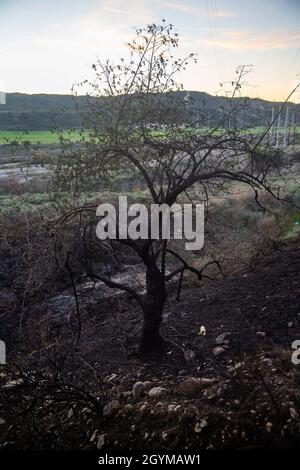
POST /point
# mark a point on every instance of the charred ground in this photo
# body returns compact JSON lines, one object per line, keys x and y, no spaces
{"x":57,"y":396}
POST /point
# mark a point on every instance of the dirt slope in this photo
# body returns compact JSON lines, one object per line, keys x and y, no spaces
{"x":89,"y":399}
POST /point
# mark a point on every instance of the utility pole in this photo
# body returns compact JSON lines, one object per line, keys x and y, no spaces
{"x":294,"y":130}
{"x":278,"y":132}
{"x":285,"y":139}
{"x":272,"y":127}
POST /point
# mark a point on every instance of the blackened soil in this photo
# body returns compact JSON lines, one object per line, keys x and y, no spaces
{"x":254,"y":401}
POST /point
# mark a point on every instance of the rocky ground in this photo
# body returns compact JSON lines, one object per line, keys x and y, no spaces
{"x":227,"y":381}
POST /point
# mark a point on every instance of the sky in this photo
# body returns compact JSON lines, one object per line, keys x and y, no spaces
{"x":46,"y":46}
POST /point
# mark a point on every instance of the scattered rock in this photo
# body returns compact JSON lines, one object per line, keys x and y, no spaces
{"x":138,"y":389}
{"x":143,"y":407}
{"x":93,"y":437}
{"x":200,"y":426}
{"x":70,"y":413}
{"x":210,"y":393}
{"x":158,"y":409}
{"x":111,"y":407}
{"x":171,"y":408}
{"x":222,"y":338}
{"x":261,"y":334}
{"x":86,"y":410}
{"x":267,"y":361}
{"x":13,"y":383}
{"x":157,"y":392}
{"x":218,"y":350}
{"x":101,"y":442}
{"x":193,"y":385}
{"x":294,"y":413}
{"x":269,"y":426}
{"x":203,"y":423}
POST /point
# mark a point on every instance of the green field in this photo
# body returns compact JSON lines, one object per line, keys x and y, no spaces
{"x":36,"y":137}
{"x":49,"y":137}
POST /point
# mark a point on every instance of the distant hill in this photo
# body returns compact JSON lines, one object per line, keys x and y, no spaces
{"x":23,"y":112}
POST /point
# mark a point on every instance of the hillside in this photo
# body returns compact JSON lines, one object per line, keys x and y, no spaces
{"x":23,"y":112}
{"x":237,"y":387}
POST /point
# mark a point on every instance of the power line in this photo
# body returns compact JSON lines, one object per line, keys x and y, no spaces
{"x":216,"y":26}
{"x":291,"y":69}
{"x":214,"y":40}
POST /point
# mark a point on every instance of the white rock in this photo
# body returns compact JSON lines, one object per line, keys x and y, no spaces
{"x":2,"y":421}
{"x":202,"y":331}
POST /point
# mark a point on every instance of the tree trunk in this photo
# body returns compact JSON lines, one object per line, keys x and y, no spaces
{"x":151,"y":341}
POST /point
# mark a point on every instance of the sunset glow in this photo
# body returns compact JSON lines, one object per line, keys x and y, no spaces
{"x":47,"y":46}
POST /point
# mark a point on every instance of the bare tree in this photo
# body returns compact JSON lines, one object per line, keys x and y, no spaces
{"x":138,"y":121}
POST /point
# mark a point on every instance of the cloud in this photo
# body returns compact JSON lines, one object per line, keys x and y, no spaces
{"x":113,"y":10}
{"x":105,"y":28}
{"x":54,"y":57}
{"x":197,"y":11}
{"x":243,"y":40}
{"x":177,"y":6}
